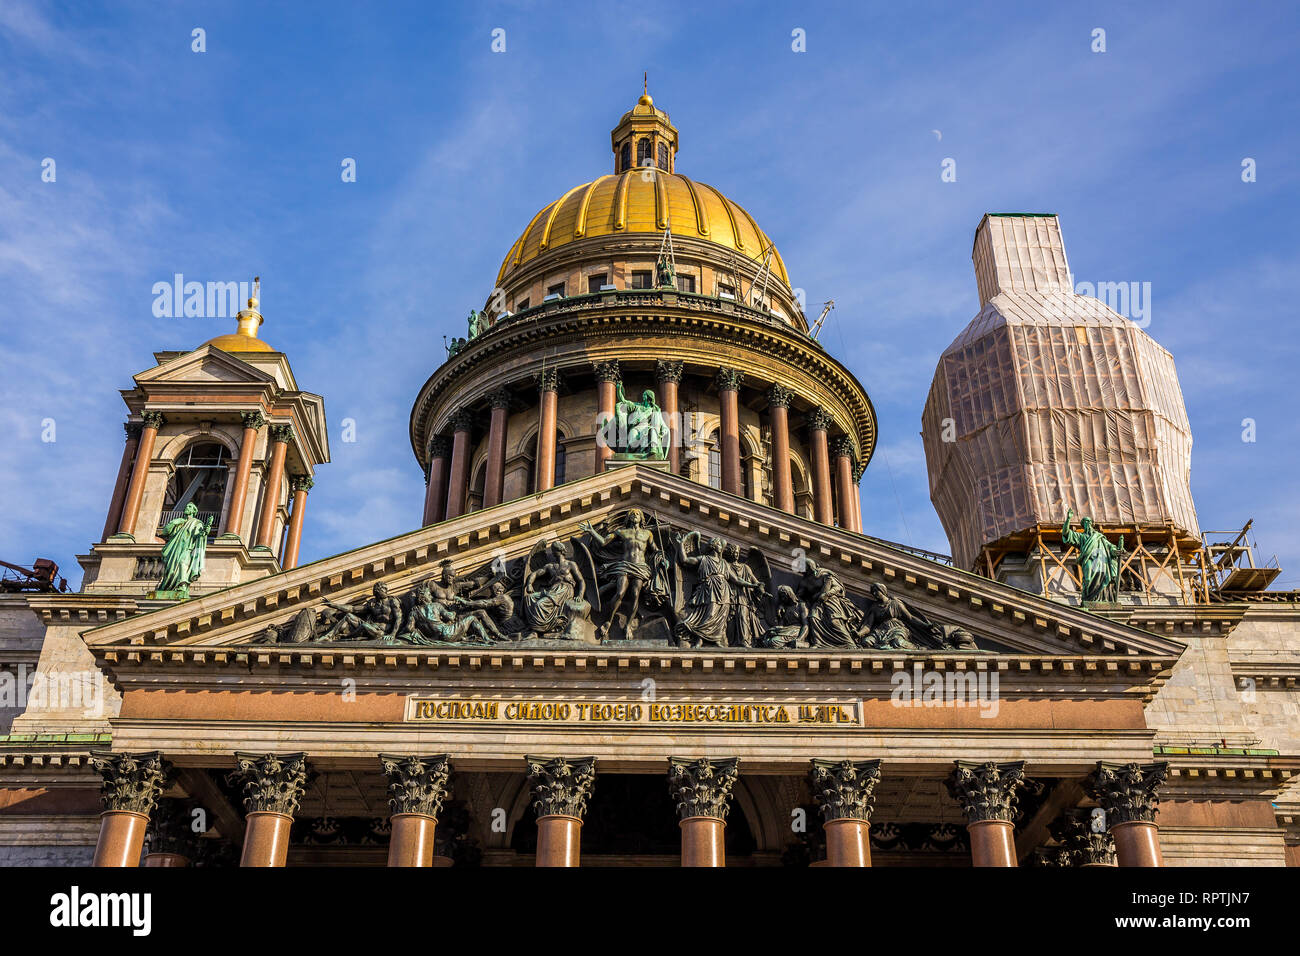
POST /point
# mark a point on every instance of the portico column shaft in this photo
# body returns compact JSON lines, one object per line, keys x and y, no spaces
{"x":416,"y":788}
{"x":1129,"y":795}
{"x":494,"y":483}
{"x":273,"y":788}
{"x":701,"y":789}
{"x":988,"y":793}
{"x":547,"y":413}
{"x":607,"y":376}
{"x":818,"y":423}
{"x":140,"y":473}
{"x":845,"y":793}
{"x":133,"y":430}
{"x":301,"y":484}
{"x":778,"y":409}
{"x":239,"y":494}
{"x":561,"y":788}
{"x":668,"y":375}
{"x":131,"y":787}
{"x":435,"y":491}
{"x":280,"y":435}
{"x":729,"y":382}
{"x":458,"y":479}
{"x":846,"y":489}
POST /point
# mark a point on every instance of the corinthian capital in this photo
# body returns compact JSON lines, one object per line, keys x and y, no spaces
{"x":702,"y":788}
{"x":273,"y":783}
{"x":416,"y":784}
{"x":154,"y":420}
{"x":548,"y":380}
{"x":253,"y":420}
{"x":561,"y":787}
{"x":987,"y":791}
{"x":778,"y":396}
{"x":301,"y":483}
{"x":439,"y":447}
{"x":819,"y":420}
{"x":132,"y":782}
{"x":667,"y":370}
{"x":845,"y":789}
{"x":1083,"y":835}
{"x":462,"y":421}
{"x":729,"y":380}
{"x":282,"y":433}
{"x":608,"y":371}
{"x":1127,"y":792}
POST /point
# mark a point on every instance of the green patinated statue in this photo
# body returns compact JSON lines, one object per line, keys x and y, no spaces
{"x":1098,"y":559}
{"x":477,"y":322}
{"x":182,"y":555}
{"x":664,"y":275}
{"x":642,"y":430}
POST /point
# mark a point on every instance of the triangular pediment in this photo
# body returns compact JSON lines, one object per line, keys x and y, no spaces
{"x":1002,"y":620}
{"x":205,"y":365}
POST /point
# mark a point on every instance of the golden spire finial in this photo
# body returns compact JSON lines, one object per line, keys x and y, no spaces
{"x":250,"y":318}
{"x":645,"y":99}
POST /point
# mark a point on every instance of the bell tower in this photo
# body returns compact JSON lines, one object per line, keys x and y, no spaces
{"x":225,"y":428}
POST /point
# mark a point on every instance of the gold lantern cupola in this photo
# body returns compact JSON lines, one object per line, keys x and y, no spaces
{"x":644,"y":137}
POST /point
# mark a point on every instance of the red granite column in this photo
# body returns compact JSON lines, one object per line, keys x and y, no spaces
{"x":778,"y":409}
{"x":280,"y":436}
{"x":273,"y":788}
{"x":239,"y":494}
{"x":548,"y":387}
{"x":435,"y":481}
{"x":701,"y":789}
{"x":845,"y":792}
{"x":729,"y":382}
{"x":988,"y":793}
{"x":818,"y":424}
{"x":668,"y":375}
{"x":561,"y":789}
{"x":131,"y":787}
{"x":416,"y":788}
{"x":607,"y":375}
{"x":846,"y":490}
{"x":1128,"y":794}
{"x":494,"y":486}
{"x":133,"y":430}
{"x":462,"y":424}
{"x":152,"y":421}
{"x":300,"y":484}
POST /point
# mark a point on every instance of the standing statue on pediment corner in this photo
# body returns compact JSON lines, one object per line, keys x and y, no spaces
{"x":1098,"y":560}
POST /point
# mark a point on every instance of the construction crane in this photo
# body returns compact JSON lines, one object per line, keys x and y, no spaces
{"x":39,"y":577}
{"x":817,"y":326}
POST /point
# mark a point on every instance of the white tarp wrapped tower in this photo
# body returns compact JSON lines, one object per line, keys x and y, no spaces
{"x":1050,"y":400}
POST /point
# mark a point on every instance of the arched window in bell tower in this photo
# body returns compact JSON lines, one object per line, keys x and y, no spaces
{"x":663,"y":156}
{"x":642,"y":151}
{"x":625,"y":157}
{"x":199,"y":477}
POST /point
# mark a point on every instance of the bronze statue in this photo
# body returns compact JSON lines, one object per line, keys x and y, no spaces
{"x":833,"y":619}
{"x":183,"y":554}
{"x":1098,"y":559}
{"x":477,"y":324}
{"x":376,"y":618}
{"x":791,"y":628}
{"x":560,"y":606}
{"x":665,"y":277}
{"x":432,"y":622}
{"x":744,"y":625}
{"x":642,"y":429}
{"x":704,"y":619}
{"x":630,"y":572}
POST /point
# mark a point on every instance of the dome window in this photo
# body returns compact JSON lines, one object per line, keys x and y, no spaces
{"x":663,"y":156}
{"x":643,"y":152}
{"x":643,"y":279}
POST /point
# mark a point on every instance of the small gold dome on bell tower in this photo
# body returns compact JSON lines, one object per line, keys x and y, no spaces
{"x":644,"y":137}
{"x":249,"y":319}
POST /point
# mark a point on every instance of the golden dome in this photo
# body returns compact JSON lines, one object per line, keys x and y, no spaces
{"x":642,"y":201}
{"x":245,"y":339}
{"x":235,"y":342}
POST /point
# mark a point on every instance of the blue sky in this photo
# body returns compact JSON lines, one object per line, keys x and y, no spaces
{"x":225,"y":164}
